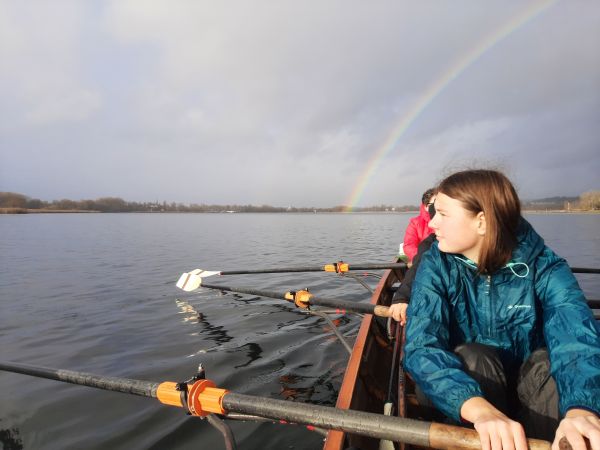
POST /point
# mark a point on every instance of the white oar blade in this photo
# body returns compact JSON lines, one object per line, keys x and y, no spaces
{"x":189,"y":281}
{"x":204,"y":273}
{"x":193,"y":279}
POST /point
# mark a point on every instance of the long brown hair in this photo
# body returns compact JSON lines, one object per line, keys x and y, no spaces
{"x":490,"y":192}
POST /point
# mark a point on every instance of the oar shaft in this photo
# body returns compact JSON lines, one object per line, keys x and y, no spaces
{"x":273,"y":270}
{"x":380,"y":266}
{"x":245,"y":290}
{"x":125,"y":385}
{"x":362,"y":308}
{"x":584,"y":270}
{"x":358,"y":422}
{"x":350,"y":306}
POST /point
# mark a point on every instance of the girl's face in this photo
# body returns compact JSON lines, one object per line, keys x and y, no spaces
{"x":457,"y":230}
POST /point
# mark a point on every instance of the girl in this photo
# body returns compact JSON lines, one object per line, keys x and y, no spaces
{"x":499,"y":333}
{"x":418,"y":227}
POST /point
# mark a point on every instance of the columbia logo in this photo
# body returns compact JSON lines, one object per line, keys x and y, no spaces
{"x":518,"y":306}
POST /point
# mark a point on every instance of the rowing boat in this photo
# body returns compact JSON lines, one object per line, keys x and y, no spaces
{"x":367,"y":386}
{"x":366,"y":380}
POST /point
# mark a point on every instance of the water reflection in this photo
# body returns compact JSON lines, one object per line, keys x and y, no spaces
{"x":308,"y":389}
{"x":291,"y":392}
{"x":253,"y":352}
{"x":214,"y":332}
{"x":186,"y":308}
{"x":10,"y":440}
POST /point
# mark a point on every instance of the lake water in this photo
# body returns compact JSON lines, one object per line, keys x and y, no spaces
{"x":96,"y":293}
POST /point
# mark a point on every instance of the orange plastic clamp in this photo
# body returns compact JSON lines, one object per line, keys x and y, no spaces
{"x":168,"y":394}
{"x":338,"y":267}
{"x":302,"y":299}
{"x":329,"y":267}
{"x":204,"y":398}
{"x":342,"y":267}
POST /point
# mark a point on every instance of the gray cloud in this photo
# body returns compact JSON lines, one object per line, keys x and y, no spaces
{"x":287,"y":103}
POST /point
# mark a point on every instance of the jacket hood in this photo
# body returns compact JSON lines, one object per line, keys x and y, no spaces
{"x":529,"y":244}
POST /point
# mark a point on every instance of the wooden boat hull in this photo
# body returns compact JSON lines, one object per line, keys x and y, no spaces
{"x":366,"y":379}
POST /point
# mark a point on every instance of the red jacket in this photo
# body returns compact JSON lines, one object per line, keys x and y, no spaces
{"x":416,"y":231}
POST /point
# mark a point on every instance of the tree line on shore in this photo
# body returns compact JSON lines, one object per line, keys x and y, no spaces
{"x":15,"y":201}
{"x":12,"y":202}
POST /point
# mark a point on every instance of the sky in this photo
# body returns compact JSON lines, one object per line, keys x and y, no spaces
{"x":301,"y":103}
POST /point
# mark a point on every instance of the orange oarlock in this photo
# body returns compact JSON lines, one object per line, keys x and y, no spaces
{"x":338,"y":267}
{"x":204,"y":398}
{"x":300,"y":298}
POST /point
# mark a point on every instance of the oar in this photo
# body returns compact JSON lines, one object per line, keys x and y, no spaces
{"x":584,"y":270}
{"x":302,"y":298}
{"x":203,"y":398}
{"x":191,"y":281}
{"x":338,"y":267}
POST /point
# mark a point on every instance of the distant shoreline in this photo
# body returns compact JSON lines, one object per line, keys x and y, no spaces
{"x":15,"y":203}
{"x":16,"y":211}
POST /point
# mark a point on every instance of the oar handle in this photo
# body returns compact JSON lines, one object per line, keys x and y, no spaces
{"x":449,"y":437}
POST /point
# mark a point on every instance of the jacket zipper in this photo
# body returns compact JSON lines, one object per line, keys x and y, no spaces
{"x":491,"y":305}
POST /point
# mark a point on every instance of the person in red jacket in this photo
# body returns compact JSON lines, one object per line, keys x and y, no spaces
{"x":418,"y":228}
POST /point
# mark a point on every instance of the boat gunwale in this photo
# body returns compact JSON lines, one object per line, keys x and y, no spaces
{"x":335,"y":439}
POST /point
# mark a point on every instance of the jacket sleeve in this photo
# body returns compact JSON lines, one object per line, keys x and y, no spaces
{"x":571,"y":333}
{"x":411,"y":239}
{"x":428,"y":356}
{"x":402,"y":294}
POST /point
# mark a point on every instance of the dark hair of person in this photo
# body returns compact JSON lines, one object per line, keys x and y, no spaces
{"x":427,"y":196}
{"x":490,"y":192}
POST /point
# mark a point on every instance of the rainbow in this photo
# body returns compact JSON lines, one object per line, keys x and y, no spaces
{"x":429,"y":95}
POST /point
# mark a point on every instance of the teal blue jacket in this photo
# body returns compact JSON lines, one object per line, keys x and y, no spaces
{"x":534,"y":301}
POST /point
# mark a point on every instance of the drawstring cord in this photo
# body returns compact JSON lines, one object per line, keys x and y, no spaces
{"x":510,"y":265}
{"x":467,"y":261}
